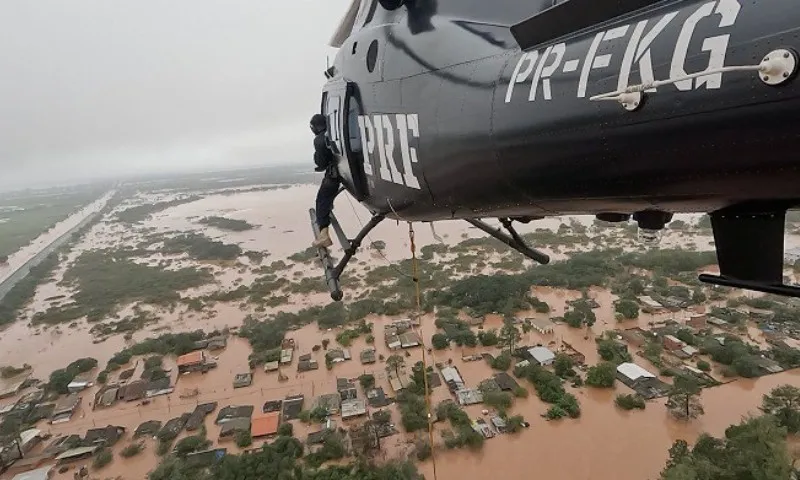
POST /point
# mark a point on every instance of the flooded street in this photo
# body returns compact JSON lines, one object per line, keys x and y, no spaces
{"x":605,"y":442}
{"x":25,"y":254}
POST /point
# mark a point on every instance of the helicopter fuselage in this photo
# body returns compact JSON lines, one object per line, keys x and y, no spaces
{"x":437,"y":112}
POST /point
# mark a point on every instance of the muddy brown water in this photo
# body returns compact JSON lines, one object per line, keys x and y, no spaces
{"x":604,"y":443}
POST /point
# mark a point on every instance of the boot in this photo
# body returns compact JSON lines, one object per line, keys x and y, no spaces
{"x":323,"y":239}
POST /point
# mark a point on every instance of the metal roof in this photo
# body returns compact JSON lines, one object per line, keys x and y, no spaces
{"x":38,"y":474}
{"x":541,"y":354}
{"x":633,"y":371}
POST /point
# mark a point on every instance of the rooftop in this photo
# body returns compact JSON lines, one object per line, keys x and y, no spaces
{"x":353,"y":408}
{"x":633,"y":371}
{"x":541,"y":354}
{"x":38,"y":474}
{"x":192,"y":358}
{"x":265,"y":425}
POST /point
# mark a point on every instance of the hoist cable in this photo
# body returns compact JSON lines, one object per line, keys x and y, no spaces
{"x":415,"y":278}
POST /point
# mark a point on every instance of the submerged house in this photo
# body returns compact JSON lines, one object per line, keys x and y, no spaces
{"x":65,"y":408}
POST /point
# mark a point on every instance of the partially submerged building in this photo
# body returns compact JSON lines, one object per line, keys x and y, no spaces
{"x":542,"y":325}
{"x":234,"y":411}
{"x":65,"y":408}
{"x":377,"y":398}
{"x":133,"y":391}
{"x":396,"y":378}
{"x":197,"y":418}
{"x":149,"y":428}
{"x":542,"y":355}
{"x":75,"y":454}
{"x":42,"y":473}
{"x":271,"y":366}
{"x":307,"y":365}
{"x":234,"y":425}
{"x":643,"y":382}
{"x":272,"y":406}
{"x":286,"y":355}
{"x":347,"y":389}
{"x":194,"y":362}
{"x":292,"y":406}
{"x":331,"y":402}
{"x":157,"y":387}
{"x":78,"y":384}
{"x":469,"y":396}
{"x":367,"y":356}
{"x":242,"y":380}
{"x":105,"y":436}
{"x":353,"y":408}
{"x":452,"y":378}
{"x":265,"y":425}
{"x":505,"y":382}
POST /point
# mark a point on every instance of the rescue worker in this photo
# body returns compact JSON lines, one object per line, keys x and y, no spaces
{"x":329,"y":188}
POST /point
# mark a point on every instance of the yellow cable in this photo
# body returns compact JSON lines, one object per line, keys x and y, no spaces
{"x":415,"y":276}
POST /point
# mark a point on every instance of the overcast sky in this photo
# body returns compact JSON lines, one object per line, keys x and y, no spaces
{"x":96,"y":87}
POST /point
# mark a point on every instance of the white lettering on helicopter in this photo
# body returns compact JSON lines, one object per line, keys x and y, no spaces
{"x":538,"y":68}
{"x":377,"y":132}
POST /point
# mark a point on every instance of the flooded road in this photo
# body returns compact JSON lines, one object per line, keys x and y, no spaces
{"x":604,"y":443}
{"x":26,"y":253}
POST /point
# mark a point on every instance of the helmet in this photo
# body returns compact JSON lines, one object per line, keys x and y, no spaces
{"x":318,"y":123}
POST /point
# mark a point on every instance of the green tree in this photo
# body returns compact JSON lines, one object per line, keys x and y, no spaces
{"x":602,"y":375}
{"x":630,"y":402}
{"x":286,"y":429}
{"x":704,"y":365}
{"x":563,"y":365}
{"x":394,"y":362}
{"x":686,"y":335}
{"x":367,"y":381}
{"x":488,"y":338}
{"x":243,"y":439}
{"x":509,"y":335}
{"x":684,"y":398}
{"x":784,"y":403}
{"x":755,"y":449}
{"x":628,"y":308}
{"x":440,"y":341}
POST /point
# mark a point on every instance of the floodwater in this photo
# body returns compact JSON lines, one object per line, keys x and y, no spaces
{"x":604,"y":443}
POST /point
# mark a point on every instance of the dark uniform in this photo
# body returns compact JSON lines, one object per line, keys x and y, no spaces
{"x":324,"y":159}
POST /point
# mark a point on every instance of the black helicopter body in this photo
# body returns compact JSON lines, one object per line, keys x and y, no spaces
{"x":468,"y":109}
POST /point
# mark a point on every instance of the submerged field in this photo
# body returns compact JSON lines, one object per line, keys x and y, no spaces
{"x":234,"y":261}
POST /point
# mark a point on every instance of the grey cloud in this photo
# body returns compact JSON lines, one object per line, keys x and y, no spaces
{"x":94,"y":86}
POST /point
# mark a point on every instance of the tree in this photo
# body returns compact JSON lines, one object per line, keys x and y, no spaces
{"x":440,"y":341}
{"x":488,"y":338}
{"x":325,"y":343}
{"x":509,"y":335}
{"x":684,"y":398}
{"x":754,"y":449}
{"x":704,"y":365}
{"x":243,"y":439}
{"x":286,"y":429}
{"x":684,"y":334}
{"x":629,"y":402}
{"x":628,"y":308}
{"x":784,"y":403}
{"x":746,"y":366}
{"x":394,"y":362}
{"x":367,"y":381}
{"x":563,"y":365}
{"x":602,"y":375}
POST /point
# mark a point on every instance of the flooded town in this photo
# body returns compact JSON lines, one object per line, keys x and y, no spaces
{"x":186,"y":329}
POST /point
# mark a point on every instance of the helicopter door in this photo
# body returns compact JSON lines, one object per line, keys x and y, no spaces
{"x":341,"y":107}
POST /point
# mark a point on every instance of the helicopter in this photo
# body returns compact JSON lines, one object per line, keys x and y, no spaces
{"x":626,"y":109}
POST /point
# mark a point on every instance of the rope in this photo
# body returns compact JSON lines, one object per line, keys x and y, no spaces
{"x":415,"y":277}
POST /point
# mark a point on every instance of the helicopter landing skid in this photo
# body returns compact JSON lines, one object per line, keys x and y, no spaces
{"x":750,"y":243}
{"x":333,"y":273}
{"x":514,"y":240}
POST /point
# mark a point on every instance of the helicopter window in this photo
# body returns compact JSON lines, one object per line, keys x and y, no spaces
{"x":354,"y":133}
{"x":372,"y":55}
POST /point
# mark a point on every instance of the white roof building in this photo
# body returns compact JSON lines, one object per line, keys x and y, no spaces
{"x":543,"y":355}
{"x":633,"y":372}
{"x":38,"y":474}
